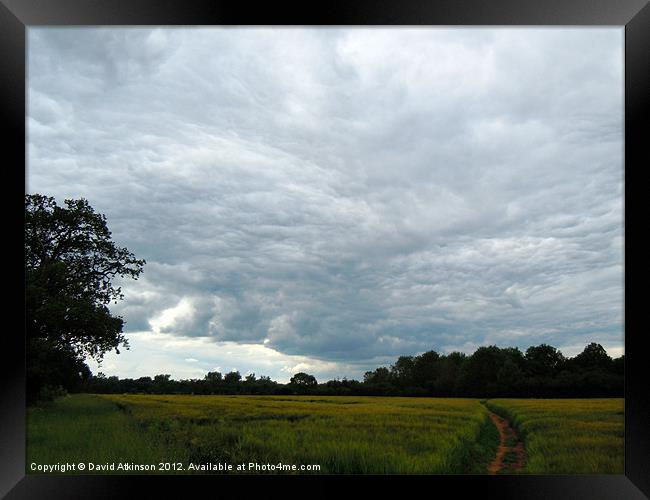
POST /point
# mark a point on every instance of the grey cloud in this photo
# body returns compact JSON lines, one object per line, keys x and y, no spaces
{"x":346,"y":194}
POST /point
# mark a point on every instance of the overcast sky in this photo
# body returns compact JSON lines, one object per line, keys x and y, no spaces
{"x":326,"y":200}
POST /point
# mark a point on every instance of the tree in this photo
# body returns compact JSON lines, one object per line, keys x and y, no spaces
{"x":378,"y":376}
{"x":70,"y":265}
{"x":303,"y":379}
{"x":232,"y":378}
{"x":593,"y":357}
{"x":449,"y":368}
{"x":213,"y":377}
{"x":425,"y":369}
{"x":543,"y":360}
{"x":402,"y":370}
{"x":53,"y":367}
{"x":162,"y":383}
{"x":509,"y":377}
{"x":479,"y":374}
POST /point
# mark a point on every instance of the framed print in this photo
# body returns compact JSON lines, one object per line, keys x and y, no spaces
{"x":349,"y":240}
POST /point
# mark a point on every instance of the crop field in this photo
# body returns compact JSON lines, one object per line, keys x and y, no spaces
{"x":340,"y":434}
{"x":568,"y":436}
{"x":386,"y":435}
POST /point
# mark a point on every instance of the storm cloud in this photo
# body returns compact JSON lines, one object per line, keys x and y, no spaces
{"x":344,"y":196}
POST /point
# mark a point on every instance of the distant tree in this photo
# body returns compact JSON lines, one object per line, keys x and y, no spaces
{"x":70,"y":265}
{"x":304,"y":380}
{"x":213,"y":377}
{"x":402,"y":370}
{"x":593,"y":357}
{"x":266,"y":385}
{"x":211,"y":383}
{"x":162,"y":383}
{"x":426,"y":369}
{"x":379,"y":376}
{"x":543,"y":360}
{"x":143,"y":384}
{"x":515,"y":355}
{"x":509,"y":378}
{"x":480,"y":371}
{"x":449,"y":369}
{"x":232,"y":378}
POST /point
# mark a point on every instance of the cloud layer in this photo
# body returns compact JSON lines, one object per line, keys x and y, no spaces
{"x":346,"y":195}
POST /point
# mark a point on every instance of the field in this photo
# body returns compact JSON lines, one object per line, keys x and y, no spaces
{"x":568,"y":436}
{"x":339,"y":434}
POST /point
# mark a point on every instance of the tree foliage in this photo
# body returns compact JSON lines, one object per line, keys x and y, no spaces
{"x":543,"y":360}
{"x":302,"y":379}
{"x":232,"y":378}
{"x":70,"y":267}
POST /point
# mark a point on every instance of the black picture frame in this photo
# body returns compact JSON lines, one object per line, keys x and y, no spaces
{"x":17,"y":15}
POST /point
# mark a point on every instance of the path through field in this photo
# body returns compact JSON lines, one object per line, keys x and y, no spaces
{"x":511,"y":456}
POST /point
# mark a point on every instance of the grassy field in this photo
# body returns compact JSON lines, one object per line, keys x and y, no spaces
{"x":340,"y":434}
{"x":86,"y":428}
{"x":568,"y":436}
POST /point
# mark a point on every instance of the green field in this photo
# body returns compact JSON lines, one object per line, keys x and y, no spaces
{"x":339,"y":434}
{"x":568,"y":436}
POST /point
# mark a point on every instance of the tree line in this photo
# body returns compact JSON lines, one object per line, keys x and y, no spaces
{"x":540,"y":371}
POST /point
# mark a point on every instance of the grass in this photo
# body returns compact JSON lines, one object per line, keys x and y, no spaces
{"x":85,"y":428}
{"x":568,"y":436}
{"x":341,"y":434}
{"x":479,"y":454}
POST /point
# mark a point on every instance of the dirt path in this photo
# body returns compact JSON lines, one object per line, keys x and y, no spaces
{"x":511,"y":455}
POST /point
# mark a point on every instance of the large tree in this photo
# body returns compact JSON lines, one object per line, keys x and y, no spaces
{"x":70,"y":266}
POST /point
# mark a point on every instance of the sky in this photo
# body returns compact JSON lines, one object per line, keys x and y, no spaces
{"x":328,"y":199}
